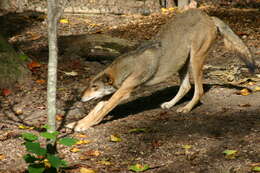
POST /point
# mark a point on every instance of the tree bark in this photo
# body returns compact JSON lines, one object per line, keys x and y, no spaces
{"x":53,"y":60}
{"x":182,"y":3}
{"x":12,"y":65}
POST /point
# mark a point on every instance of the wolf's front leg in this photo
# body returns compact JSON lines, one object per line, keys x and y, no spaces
{"x":103,"y":108}
{"x":89,"y":120}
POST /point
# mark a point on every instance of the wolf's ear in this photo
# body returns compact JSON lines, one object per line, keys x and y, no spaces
{"x":107,"y":79}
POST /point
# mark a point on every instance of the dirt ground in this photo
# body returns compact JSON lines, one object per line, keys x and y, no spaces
{"x":169,"y":142}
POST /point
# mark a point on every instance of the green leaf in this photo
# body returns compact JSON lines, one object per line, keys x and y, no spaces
{"x":115,"y":138}
{"x":230,"y":152}
{"x":68,"y":141}
{"x":186,"y":147}
{"x":36,"y":168}
{"x":49,"y":135}
{"x":55,"y":161}
{"x":46,"y":126}
{"x":29,"y":158}
{"x":64,"y":163}
{"x":137,"y":130}
{"x":35,"y":148}
{"x":23,"y":57}
{"x":138,"y":168}
{"x":29,"y":136}
{"x":256,"y":169}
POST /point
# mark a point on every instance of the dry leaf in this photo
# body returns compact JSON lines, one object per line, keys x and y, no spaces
{"x":85,"y":170}
{"x":74,"y":150}
{"x":92,"y":153}
{"x":164,"y":10}
{"x":47,"y":163}
{"x":245,"y":105}
{"x":83,"y":157}
{"x":18,"y":111}
{"x":2,"y":156}
{"x":64,"y":21}
{"x":115,"y":138}
{"x":251,"y":83}
{"x":59,"y":117}
{"x":25,"y":127}
{"x":40,"y":81}
{"x":186,"y":147}
{"x":230,"y":154}
{"x":35,"y":36}
{"x":33,"y":65}
{"x":243,"y":92}
{"x":80,"y":142}
{"x":257,"y":88}
{"x":105,"y":162}
{"x":6,"y":92}
{"x":81,"y":136}
{"x":93,"y":24}
{"x":72,"y":73}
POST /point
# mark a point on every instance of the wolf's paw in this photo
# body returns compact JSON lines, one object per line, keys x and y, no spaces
{"x":77,"y":126}
{"x":166,"y":105}
{"x":184,"y":109}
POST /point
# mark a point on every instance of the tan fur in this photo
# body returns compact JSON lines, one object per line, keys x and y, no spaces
{"x":180,"y":47}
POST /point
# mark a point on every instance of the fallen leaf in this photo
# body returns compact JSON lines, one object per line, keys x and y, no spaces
{"x":115,"y":138}
{"x":243,"y":92}
{"x":35,"y":36}
{"x":251,"y":83}
{"x":241,"y":33}
{"x":105,"y":162}
{"x":33,"y":65}
{"x":59,"y":117}
{"x":81,"y":136}
{"x":18,"y":111}
{"x":137,"y":130}
{"x":257,"y":88}
{"x":83,"y":157}
{"x":245,"y":105}
{"x":64,"y":21}
{"x":25,"y":127}
{"x":186,"y":147}
{"x":85,"y":170}
{"x":230,"y":154}
{"x":72,"y":73}
{"x":138,"y":167}
{"x":164,"y":10}
{"x":47,"y":163}
{"x":80,"y":142}
{"x":92,"y":153}
{"x":40,"y":81}
{"x":74,"y":150}
{"x":93,"y":24}
{"x":256,"y":169}
{"x":2,"y":156}
{"x":6,"y":92}
{"x":255,"y":164}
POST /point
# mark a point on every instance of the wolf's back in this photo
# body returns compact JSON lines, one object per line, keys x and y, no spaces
{"x":233,"y":42}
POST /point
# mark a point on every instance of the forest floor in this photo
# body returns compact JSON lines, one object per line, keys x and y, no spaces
{"x":228,"y":117}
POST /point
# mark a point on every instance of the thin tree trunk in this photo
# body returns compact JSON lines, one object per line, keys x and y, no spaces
{"x":182,"y":3}
{"x":52,"y":66}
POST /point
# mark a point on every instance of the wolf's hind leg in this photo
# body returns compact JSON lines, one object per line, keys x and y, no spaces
{"x":196,"y":70}
{"x":184,"y":88}
{"x":196,"y":63}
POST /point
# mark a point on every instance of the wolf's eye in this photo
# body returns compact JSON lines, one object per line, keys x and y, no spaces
{"x":95,"y":87}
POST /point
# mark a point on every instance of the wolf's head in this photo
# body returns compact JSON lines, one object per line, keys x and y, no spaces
{"x":99,"y":87}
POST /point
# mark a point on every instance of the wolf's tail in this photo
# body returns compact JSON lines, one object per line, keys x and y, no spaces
{"x":233,"y":42}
